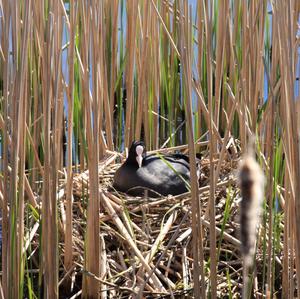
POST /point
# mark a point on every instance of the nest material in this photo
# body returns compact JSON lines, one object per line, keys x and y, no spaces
{"x":159,"y":232}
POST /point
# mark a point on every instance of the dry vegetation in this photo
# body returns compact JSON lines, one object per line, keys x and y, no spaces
{"x":80,"y":80}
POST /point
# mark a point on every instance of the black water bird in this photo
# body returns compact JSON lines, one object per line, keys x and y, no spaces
{"x":158,"y":174}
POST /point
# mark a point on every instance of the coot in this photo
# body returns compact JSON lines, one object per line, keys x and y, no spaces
{"x":159,"y":174}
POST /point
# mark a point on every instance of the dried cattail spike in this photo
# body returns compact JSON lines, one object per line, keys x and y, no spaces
{"x":252,"y":188}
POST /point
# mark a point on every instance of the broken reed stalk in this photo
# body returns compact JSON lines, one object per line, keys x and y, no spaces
{"x":252,"y":191}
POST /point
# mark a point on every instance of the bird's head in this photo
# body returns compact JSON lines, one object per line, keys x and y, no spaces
{"x":137,"y":152}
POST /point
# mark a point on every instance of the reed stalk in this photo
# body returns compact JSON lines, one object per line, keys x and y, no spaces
{"x":186,"y":54}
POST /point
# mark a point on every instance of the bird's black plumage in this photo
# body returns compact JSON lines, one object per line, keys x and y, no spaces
{"x":168,"y":174}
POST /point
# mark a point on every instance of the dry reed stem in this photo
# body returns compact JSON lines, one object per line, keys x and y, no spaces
{"x":114,"y":45}
{"x":155,"y":69}
{"x":286,"y":28}
{"x":130,"y":41}
{"x":91,"y":102}
{"x":49,"y":263}
{"x":223,"y":19}
{"x":16,"y":210}
{"x":186,"y":55}
{"x":212,"y":144}
{"x":6,"y":88}
{"x":142,"y":59}
{"x":102,"y":82}
{"x":68,"y":258}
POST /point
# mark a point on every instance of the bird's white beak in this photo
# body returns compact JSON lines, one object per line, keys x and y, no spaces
{"x":139,"y":159}
{"x":139,"y":155}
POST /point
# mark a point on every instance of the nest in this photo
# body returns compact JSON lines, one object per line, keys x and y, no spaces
{"x":159,"y":231}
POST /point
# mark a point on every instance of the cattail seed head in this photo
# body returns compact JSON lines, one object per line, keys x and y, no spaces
{"x":252,"y":190}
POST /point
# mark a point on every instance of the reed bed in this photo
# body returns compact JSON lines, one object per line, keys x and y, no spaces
{"x":80,"y":80}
